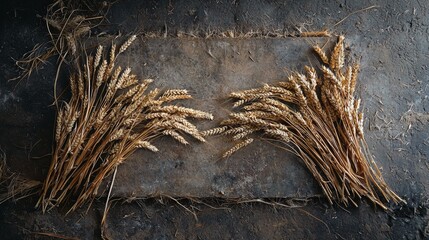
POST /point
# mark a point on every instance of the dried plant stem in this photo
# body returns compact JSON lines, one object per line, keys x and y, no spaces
{"x":92,"y":139}
{"x":319,"y":117}
{"x":66,"y":25}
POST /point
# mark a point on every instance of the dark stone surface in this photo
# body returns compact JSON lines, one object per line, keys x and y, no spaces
{"x":392,"y":42}
{"x":210,"y":70}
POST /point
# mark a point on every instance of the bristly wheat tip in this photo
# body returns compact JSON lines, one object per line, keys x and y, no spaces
{"x":100,"y":74}
{"x":59,"y":124}
{"x":277,"y":133}
{"x":146,"y":145}
{"x":72,"y":121}
{"x":176,"y":136}
{"x":98,"y":56}
{"x":112,"y":53}
{"x":127,"y":44}
{"x":237,"y":147}
{"x":122,"y":78}
{"x":214,"y":131}
{"x":321,"y":54}
{"x":337,"y":57}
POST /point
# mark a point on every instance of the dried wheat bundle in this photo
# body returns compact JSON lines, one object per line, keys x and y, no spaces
{"x":109,"y":116}
{"x":318,"y":116}
{"x":67,"y":22}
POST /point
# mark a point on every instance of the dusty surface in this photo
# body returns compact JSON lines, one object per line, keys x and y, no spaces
{"x":392,"y":42}
{"x":210,"y":70}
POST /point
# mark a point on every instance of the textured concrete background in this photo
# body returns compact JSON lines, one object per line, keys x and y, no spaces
{"x":392,"y":42}
{"x":210,"y":70}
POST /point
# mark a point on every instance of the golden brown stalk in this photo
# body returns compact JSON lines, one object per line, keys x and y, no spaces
{"x":66,"y":27}
{"x":130,"y":81}
{"x":324,"y":33}
{"x":99,"y":127}
{"x":71,"y":43}
{"x":72,"y":121}
{"x":360,"y":125}
{"x":100,"y":74}
{"x":59,"y":124}
{"x":337,"y":56}
{"x":112,"y":54}
{"x":174,"y":92}
{"x":147,"y":145}
{"x":73,"y":86}
{"x":123,"y":78}
{"x":97,"y":58}
{"x":331,"y":79}
{"x":81,"y":31}
{"x":353,"y":80}
{"x":241,"y":135}
{"x":176,"y":136}
{"x":111,"y":86}
{"x":233,"y":131}
{"x":237,"y":147}
{"x":124,"y":46}
{"x":321,"y":54}
{"x":279,"y":134}
{"x":312,"y":77}
{"x":320,"y":122}
{"x":80,"y":86}
{"x":183,"y":110}
{"x":111,"y":62}
{"x":214,"y":131}
{"x":302,"y":100}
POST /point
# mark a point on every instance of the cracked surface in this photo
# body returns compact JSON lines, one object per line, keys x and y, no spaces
{"x":391,"y":41}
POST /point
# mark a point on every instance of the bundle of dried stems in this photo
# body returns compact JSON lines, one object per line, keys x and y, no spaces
{"x":67,"y":23}
{"x":109,"y":116}
{"x":317,"y":115}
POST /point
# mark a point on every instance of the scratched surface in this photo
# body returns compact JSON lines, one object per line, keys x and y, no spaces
{"x":210,"y":70}
{"x":389,"y":38}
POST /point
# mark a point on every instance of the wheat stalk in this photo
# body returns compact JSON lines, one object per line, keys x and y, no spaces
{"x":67,"y":25}
{"x":319,"y":117}
{"x":92,"y":138}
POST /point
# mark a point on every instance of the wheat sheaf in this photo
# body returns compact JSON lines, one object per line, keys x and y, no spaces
{"x":110,"y":114}
{"x":316,"y":115}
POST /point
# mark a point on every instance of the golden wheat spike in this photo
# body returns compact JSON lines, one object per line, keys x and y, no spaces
{"x":214,"y":131}
{"x":98,"y":128}
{"x":337,"y":56}
{"x":320,"y":123}
{"x":176,"y":136}
{"x":97,"y":58}
{"x":125,"y":46}
{"x":353,"y":80}
{"x":100,"y":74}
{"x":237,"y":147}
{"x":321,"y":54}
